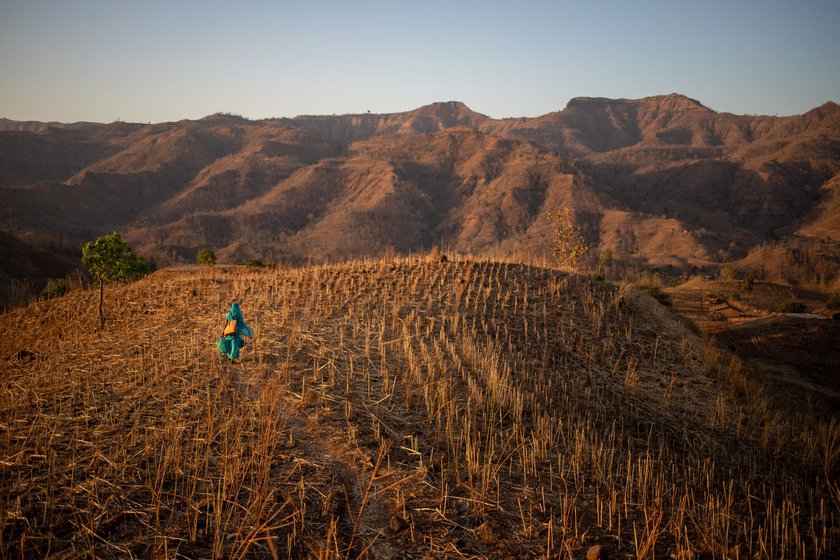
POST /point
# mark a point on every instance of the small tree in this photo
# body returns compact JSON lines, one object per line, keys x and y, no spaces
{"x":568,"y":245}
{"x":110,"y":259}
{"x":56,"y":287}
{"x":728,"y":272}
{"x":205,"y":256}
{"x":792,"y":306}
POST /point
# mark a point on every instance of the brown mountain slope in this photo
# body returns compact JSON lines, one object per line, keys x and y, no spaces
{"x":826,"y":221}
{"x":655,"y":182}
{"x":475,"y":190}
{"x":595,"y":125}
{"x":265,"y":156}
{"x":54,"y":155}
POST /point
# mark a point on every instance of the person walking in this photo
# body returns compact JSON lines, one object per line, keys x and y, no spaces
{"x":235,"y":329}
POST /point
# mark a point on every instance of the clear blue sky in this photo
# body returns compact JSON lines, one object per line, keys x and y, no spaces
{"x":101,"y":60}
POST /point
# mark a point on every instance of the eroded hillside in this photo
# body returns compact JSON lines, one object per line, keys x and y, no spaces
{"x":655,"y":183}
{"x":391,"y":409}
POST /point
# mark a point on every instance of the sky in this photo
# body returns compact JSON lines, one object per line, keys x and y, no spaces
{"x":156,"y":61}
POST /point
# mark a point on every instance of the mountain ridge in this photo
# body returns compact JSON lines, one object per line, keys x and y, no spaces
{"x":661,"y":183}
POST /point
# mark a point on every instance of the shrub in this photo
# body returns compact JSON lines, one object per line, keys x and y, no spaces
{"x":56,"y":287}
{"x":792,"y":307}
{"x":716,"y":299}
{"x":728,"y":272}
{"x":205,"y":256}
{"x":717,"y":317}
{"x":748,"y":282}
{"x":568,"y":245}
{"x":656,"y":293}
{"x":833,"y":302}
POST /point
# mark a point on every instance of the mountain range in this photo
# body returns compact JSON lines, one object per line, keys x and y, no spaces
{"x":661,"y":183}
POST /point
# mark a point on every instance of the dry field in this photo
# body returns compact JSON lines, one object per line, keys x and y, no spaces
{"x":406,"y":409}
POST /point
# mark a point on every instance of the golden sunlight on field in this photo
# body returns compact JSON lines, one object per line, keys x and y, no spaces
{"x":420,"y":409}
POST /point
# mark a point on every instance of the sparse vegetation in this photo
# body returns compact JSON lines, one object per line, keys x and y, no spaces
{"x":655,"y":292}
{"x":748,"y":282}
{"x":568,"y":245}
{"x":833,"y":301}
{"x":55,"y":287}
{"x":478,"y":409}
{"x":205,"y":256}
{"x":792,"y":307}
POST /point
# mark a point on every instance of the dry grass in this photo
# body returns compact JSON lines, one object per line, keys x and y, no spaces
{"x":392,"y":409}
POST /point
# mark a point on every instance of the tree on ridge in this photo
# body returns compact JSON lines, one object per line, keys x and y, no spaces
{"x":110,"y":259}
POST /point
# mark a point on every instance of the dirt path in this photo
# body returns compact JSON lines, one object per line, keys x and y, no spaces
{"x":344,"y":471}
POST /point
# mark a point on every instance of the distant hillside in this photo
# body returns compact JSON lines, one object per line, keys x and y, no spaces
{"x":659,"y":183}
{"x":36,"y":126}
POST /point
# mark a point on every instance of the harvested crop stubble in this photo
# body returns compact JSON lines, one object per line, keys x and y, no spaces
{"x":493,"y":409}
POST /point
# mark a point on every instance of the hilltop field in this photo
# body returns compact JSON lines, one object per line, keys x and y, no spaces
{"x":397,"y":409}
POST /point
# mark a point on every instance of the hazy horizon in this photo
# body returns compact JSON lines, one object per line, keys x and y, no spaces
{"x":159,"y":61}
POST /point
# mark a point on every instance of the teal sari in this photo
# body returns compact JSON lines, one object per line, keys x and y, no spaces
{"x":231,"y":343}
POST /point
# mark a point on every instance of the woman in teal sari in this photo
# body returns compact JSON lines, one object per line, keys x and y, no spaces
{"x":235,"y":329}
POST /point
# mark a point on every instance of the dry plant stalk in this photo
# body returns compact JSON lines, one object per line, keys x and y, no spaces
{"x":475,"y":409}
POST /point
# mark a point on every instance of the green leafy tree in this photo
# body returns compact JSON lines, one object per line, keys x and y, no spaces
{"x":568,"y":245}
{"x":205,"y":256}
{"x":110,"y":259}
